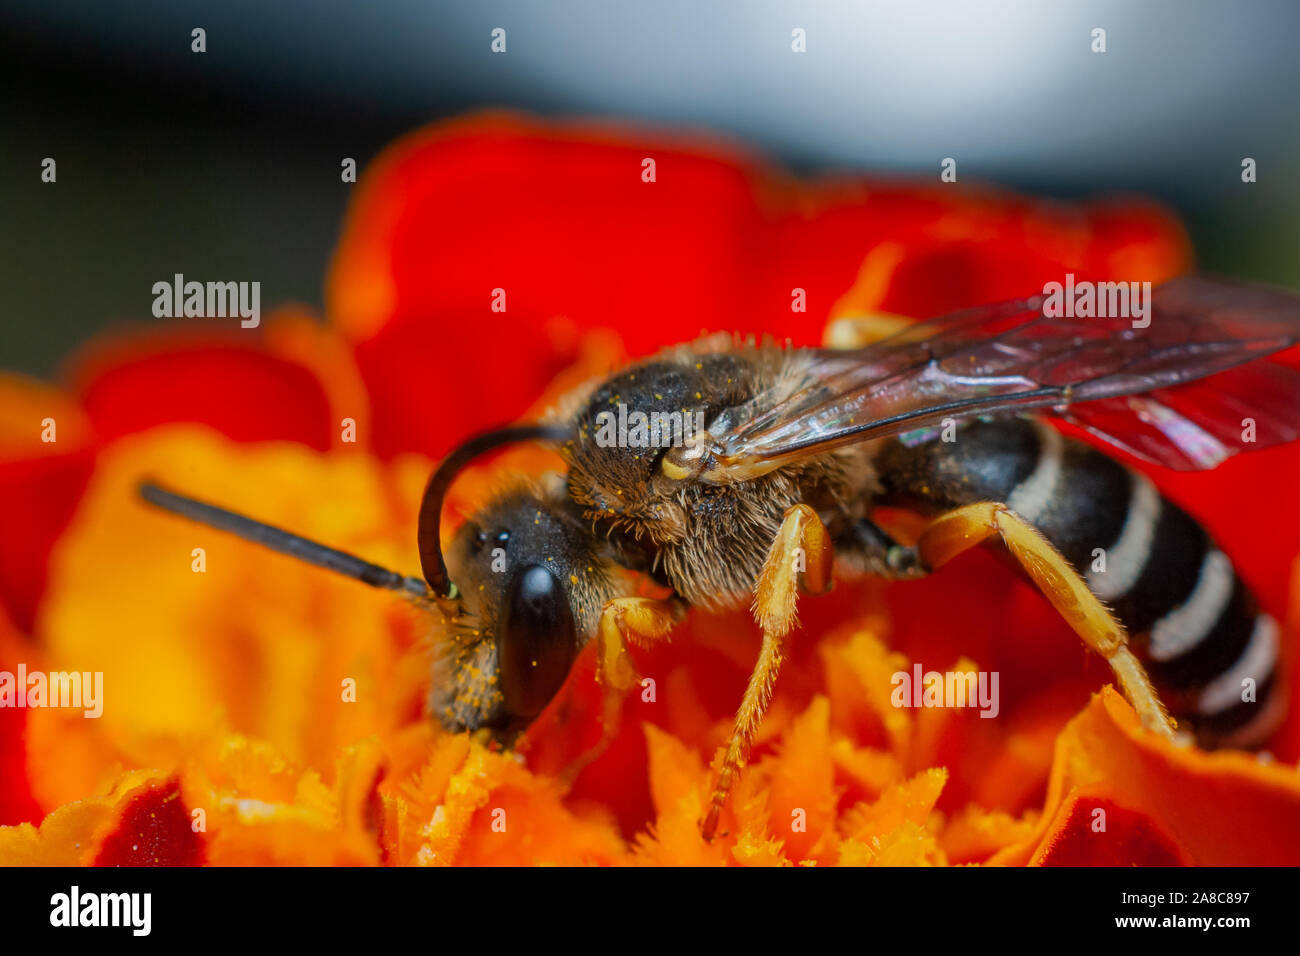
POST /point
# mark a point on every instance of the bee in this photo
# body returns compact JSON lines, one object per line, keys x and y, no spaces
{"x":792,"y":453}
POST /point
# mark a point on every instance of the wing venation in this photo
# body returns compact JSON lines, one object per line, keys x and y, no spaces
{"x":1010,"y":358}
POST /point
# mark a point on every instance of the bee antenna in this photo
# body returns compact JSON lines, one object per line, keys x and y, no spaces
{"x":277,"y":539}
{"x":435,"y":492}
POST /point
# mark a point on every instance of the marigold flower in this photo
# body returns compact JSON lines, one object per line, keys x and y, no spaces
{"x":262,"y":712}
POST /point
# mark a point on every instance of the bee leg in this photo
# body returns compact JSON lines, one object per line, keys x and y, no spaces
{"x":961,"y":529}
{"x":801,"y":552}
{"x":636,"y":620}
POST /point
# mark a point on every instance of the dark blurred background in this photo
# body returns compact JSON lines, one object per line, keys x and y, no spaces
{"x":226,"y":163}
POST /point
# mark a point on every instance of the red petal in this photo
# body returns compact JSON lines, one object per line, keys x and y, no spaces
{"x":43,"y":493}
{"x":153,"y":830}
{"x":1130,"y":838}
{"x":237,"y":387}
{"x":560,"y":219}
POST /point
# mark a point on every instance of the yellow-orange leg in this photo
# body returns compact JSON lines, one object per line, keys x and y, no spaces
{"x":963,"y":528}
{"x":629,"y":620}
{"x":801,"y":552}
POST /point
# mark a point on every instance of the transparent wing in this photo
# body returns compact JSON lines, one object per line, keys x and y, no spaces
{"x":1199,"y":425}
{"x":1010,"y":358}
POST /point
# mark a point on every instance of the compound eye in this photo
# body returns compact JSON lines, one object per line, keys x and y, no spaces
{"x":686,"y":461}
{"x":538,"y":641}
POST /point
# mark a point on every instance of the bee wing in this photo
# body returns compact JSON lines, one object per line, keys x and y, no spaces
{"x":1010,"y":358}
{"x":1199,"y":425}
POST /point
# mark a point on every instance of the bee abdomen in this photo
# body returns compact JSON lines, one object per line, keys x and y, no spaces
{"x":1210,"y":651}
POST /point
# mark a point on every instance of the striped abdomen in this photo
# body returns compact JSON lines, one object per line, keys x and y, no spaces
{"x":1192,"y":620}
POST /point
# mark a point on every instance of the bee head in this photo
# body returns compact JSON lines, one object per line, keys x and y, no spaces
{"x":527,"y":593}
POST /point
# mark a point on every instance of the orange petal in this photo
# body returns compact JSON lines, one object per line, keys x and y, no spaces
{"x":679,"y":784}
{"x":911,"y":801}
{"x":1091,"y":829}
{"x":802,"y":774}
{"x":1220,"y":809}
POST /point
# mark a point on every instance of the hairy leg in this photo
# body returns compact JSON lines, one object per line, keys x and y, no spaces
{"x":801,"y":552}
{"x":961,"y":529}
